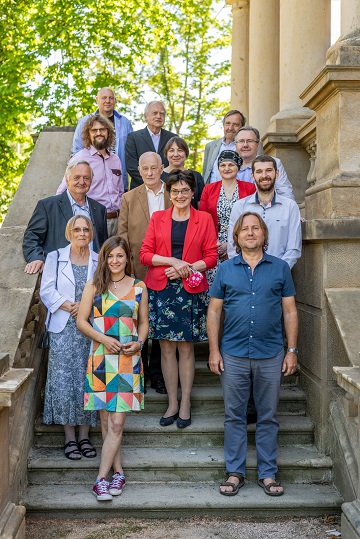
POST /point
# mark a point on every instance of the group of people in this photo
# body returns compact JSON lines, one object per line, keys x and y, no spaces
{"x":128,"y":260}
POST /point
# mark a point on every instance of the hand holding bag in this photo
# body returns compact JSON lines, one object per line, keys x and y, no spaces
{"x":195,"y":278}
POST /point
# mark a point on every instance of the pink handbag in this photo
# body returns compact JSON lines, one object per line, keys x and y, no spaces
{"x":195,"y":278}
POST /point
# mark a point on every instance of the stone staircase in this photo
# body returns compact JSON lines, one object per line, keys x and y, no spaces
{"x":175,"y":473}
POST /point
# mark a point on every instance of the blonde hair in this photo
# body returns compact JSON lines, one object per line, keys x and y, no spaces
{"x":71,"y":223}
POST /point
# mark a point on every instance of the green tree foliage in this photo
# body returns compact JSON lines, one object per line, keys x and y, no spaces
{"x":185,"y":74}
{"x":54,"y":53}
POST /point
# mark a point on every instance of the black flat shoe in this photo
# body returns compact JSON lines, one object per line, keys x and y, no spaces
{"x":159,"y":386}
{"x":183,"y":423}
{"x":166,"y":421}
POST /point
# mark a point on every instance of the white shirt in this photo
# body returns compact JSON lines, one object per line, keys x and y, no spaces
{"x":155,"y":201}
{"x":215,"y":174}
{"x":282,"y":217}
{"x":155,"y":139}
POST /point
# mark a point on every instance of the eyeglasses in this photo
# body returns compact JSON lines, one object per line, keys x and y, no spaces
{"x":248,"y":141}
{"x":101,"y":129}
{"x":176,"y":193}
{"x":78,"y":229}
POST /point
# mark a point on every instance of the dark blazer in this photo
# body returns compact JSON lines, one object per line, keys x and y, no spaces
{"x":200,"y":244}
{"x":139,"y":142}
{"x":46,"y":229}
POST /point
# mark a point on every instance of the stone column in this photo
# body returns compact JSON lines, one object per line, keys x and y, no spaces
{"x":264,"y":38}
{"x":304,"y":40}
{"x":350,"y":17}
{"x":240,"y":56}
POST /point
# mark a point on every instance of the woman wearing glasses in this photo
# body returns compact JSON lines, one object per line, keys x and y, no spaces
{"x":177,"y":242}
{"x":218,"y":199}
{"x":65,"y":274}
{"x":176,"y":152}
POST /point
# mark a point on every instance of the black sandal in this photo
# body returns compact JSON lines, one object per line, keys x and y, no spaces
{"x":87,"y":450}
{"x":235,"y":487}
{"x":73,"y":451}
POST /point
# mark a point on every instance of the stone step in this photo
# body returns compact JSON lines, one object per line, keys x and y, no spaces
{"x":176,"y":500}
{"x":143,"y":430}
{"x":209,"y":399}
{"x":297,"y":464}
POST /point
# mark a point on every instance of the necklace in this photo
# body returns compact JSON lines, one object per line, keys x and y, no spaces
{"x":114,"y":282}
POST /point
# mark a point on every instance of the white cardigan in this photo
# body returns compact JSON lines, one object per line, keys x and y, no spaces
{"x":53,"y":297}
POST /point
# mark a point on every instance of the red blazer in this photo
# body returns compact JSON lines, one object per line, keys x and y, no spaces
{"x":200,"y":244}
{"x":211,"y":193}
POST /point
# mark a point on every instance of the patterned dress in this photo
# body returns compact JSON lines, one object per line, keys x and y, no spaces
{"x":68,"y":354}
{"x":115,"y":382}
{"x":224,"y":207}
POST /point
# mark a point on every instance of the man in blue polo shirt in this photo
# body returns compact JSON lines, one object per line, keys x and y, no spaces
{"x":255,"y":290}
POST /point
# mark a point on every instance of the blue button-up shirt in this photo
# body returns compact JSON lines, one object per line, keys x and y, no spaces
{"x":252,"y":302}
{"x":282,"y":217}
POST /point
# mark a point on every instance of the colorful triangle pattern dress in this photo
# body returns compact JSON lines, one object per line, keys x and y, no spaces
{"x":115,"y":382}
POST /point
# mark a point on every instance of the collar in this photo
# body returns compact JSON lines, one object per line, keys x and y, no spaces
{"x":153,"y":134}
{"x":94,"y":151}
{"x":161,"y":190}
{"x":239,"y":259}
{"x":227,"y":144}
{"x":74,"y":203}
{"x":272,"y":202}
{"x":115,"y":113}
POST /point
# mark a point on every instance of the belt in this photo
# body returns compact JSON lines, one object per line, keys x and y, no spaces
{"x":112,"y":214}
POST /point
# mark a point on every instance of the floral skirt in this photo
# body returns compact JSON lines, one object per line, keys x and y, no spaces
{"x":176,"y":315}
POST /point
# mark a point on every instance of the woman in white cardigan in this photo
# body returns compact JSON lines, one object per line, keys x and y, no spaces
{"x":65,"y":274}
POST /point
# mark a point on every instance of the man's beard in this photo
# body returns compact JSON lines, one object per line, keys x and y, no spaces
{"x":100,"y":144}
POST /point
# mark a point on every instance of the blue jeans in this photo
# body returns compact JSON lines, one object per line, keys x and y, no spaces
{"x":236,"y":383}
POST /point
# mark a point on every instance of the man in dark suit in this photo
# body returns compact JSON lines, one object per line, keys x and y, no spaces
{"x":46,"y":229}
{"x":150,"y":139}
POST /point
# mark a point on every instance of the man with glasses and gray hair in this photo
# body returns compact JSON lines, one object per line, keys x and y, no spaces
{"x":247,"y":143}
{"x":232,"y":121}
{"x":107,"y":186}
{"x":152,"y":138}
{"x":46,"y":229}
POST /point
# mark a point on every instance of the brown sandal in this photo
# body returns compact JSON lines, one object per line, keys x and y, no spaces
{"x":268,"y":487}
{"x":235,"y":487}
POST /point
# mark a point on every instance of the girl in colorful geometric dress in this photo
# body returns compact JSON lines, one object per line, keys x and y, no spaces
{"x":117,"y":306}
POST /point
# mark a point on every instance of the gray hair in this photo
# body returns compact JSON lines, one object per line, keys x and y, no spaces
{"x":148,"y":105}
{"x":148,"y":154}
{"x":74,"y":164}
{"x":249,"y":128}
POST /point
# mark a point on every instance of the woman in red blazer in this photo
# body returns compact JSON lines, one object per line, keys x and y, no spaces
{"x":178,"y":241}
{"x":218,"y":199}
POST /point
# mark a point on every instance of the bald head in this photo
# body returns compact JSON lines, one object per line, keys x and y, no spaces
{"x":105,"y":100}
{"x":150,"y":168}
{"x":150,"y":156}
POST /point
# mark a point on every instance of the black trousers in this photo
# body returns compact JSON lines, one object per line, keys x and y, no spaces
{"x":152,"y":363}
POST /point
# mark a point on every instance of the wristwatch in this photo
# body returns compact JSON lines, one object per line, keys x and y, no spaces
{"x":141,"y":344}
{"x":293,"y":350}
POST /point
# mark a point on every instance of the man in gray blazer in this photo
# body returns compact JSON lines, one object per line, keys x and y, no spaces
{"x":46,"y":229}
{"x":150,"y":139}
{"x":233,"y":120}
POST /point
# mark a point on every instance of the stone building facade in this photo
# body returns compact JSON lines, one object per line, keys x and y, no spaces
{"x":304,"y":96}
